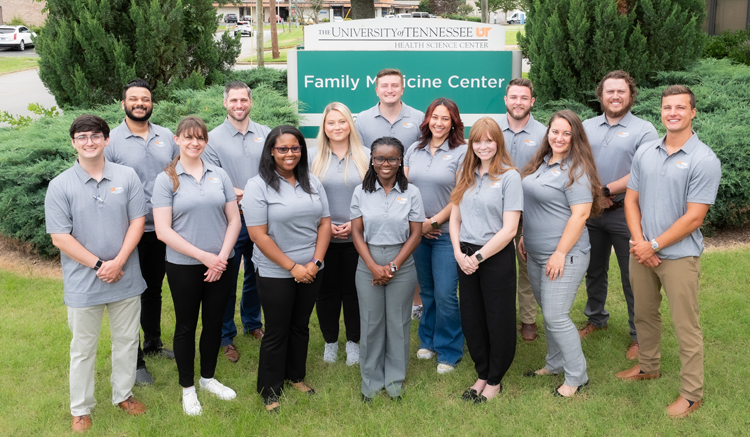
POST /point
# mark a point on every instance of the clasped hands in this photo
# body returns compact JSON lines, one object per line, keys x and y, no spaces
{"x":644,"y":253}
{"x":304,"y":274}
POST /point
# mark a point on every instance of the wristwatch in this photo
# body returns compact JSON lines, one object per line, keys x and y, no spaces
{"x":317,"y":262}
{"x":434,"y":223}
{"x":98,"y":264}
{"x":394,"y":268}
{"x":655,"y":245}
{"x":479,"y":256}
{"x":605,"y":191}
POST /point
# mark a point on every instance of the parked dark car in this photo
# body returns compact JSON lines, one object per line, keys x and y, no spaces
{"x":420,"y":15}
{"x":230,"y":18}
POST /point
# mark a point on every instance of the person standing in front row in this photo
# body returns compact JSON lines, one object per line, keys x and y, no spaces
{"x":561,"y":190}
{"x":236,"y":146}
{"x":288,"y":220}
{"x":196,"y":216}
{"x":387,"y":217}
{"x":431,"y":165}
{"x":340,"y":162}
{"x":146,"y":148}
{"x":673,"y":182}
{"x":523,"y":135}
{"x":615,"y":136}
{"x":95,"y":214}
{"x":487,"y":205}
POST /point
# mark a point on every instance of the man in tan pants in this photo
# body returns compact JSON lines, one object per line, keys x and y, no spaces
{"x":672,"y":183}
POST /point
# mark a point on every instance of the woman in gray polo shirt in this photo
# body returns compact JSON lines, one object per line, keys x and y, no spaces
{"x":340,"y":162}
{"x":196,"y":216}
{"x":286,"y":212}
{"x":387,"y":215}
{"x":560,"y":190}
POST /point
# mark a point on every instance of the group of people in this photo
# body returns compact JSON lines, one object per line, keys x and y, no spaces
{"x":396,"y":203}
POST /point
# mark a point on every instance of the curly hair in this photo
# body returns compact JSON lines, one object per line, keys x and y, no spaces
{"x":368,"y":183}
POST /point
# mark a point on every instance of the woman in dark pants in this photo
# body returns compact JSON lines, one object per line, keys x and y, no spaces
{"x":487,"y":205}
{"x":286,"y":212}
{"x":196,"y":216}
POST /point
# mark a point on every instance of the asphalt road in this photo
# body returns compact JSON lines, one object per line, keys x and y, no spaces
{"x":30,"y":52}
{"x":17,"y":90}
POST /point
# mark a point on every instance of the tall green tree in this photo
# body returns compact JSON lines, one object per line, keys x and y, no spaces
{"x":572,"y":44}
{"x":89,"y":49}
{"x":362,"y":9}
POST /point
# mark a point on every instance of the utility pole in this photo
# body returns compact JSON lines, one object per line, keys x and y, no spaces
{"x":485,"y":12}
{"x":259,"y":31}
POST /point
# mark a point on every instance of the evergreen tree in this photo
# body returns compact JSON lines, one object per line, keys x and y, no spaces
{"x":572,"y":44}
{"x":89,"y":49}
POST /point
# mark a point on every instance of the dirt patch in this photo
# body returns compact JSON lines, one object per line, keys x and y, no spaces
{"x":727,"y":239}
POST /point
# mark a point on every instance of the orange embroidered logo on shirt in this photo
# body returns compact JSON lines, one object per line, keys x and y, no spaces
{"x":408,"y":125}
{"x":116,"y":190}
{"x":683,"y":164}
{"x":530,"y":143}
{"x":401,"y":200}
{"x":623,"y":134}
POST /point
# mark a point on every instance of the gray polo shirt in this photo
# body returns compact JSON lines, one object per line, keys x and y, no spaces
{"x":238,"y":153}
{"x":483,"y":205}
{"x":97,"y":215}
{"x":386,"y":217}
{"x":615,"y":146}
{"x":371,"y":125}
{"x":147,"y":157}
{"x":667,"y":183}
{"x":197,"y":209}
{"x":547,"y":203}
{"x":435,"y":175}
{"x":338,"y":189}
{"x":292,"y":216}
{"x":522,"y":145}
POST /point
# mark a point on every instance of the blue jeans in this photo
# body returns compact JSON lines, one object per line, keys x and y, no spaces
{"x":249,"y":303}
{"x":440,"y":325}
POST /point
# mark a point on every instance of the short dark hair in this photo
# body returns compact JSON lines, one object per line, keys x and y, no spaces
{"x":237,"y":85}
{"x":674,"y":90}
{"x":89,"y":123}
{"x":521,"y":81}
{"x":137,"y":83}
{"x":389,"y":72}
{"x":267,"y":167}
{"x":618,"y":74}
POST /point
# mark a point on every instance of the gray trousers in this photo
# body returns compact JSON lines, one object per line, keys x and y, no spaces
{"x":556,"y":298}
{"x":607,"y":231}
{"x":385,"y":322}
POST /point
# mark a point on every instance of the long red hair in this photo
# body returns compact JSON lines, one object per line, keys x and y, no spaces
{"x":456,"y":136}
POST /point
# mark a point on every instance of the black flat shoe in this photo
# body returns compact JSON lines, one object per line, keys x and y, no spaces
{"x":470,"y":395}
{"x":533,"y":374}
{"x":367,"y":400}
{"x":270,"y":401}
{"x":396,"y":398}
{"x":557,"y":394}
{"x":481,"y":399}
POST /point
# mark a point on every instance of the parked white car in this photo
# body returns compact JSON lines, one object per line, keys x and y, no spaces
{"x":17,"y":37}
{"x":403,"y":15}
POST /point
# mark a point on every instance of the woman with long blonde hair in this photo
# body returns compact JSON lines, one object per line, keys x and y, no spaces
{"x":340,"y":162}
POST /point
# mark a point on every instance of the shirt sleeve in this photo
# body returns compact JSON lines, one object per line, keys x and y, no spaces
{"x":163,"y":195}
{"x":109,"y":153}
{"x":649,"y":134}
{"x":512,"y":191}
{"x":416,"y":212}
{"x":409,"y":153}
{"x":136,"y":198}
{"x":354,"y":210}
{"x":580,"y":191}
{"x":704,"y":182}
{"x":227,"y":184}
{"x":255,"y":204}
{"x":323,"y":197}
{"x":635,"y":171}
{"x":57,"y":212}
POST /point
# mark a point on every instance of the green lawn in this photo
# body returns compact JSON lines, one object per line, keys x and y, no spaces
{"x":10,"y":64}
{"x":286,"y":39}
{"x":511,"y":33}
{"x":34,"y":393}
{"x":267,"y":57}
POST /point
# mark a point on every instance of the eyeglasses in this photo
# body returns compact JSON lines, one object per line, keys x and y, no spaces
{"x":380,"y":160}
{"x":285,"y":150}
{"x":82,"y":140}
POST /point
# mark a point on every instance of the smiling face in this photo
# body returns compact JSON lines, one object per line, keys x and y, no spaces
{"x":138,"y":104}
{"x":485,"y":149}
{"x":387,"y":170}
{"x":676,"y":113}
{"x":191,"y":143}
{"x":285,"y":162}
{"x":238,"y":104}
{"x":560,"y":134}
{"x":616,"y":97}
{"x":336,"y":127}
{"x":518,"y":102}
{"x":440,"y":123}
{"x":389,"y":89}
{"x":89,"y":145}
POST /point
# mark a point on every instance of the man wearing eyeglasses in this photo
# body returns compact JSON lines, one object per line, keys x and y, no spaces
{"x":146,"y":148}
{"x":95,"y":213}
{"x":236,"y":146}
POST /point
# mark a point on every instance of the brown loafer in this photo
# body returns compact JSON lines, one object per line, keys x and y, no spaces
{"x":132,"y":407}
{"x":231,"y":353}
{"x":682,"y":408}
{"x":588,"y":329}
{"x":636,"y":374}
{"x":81,"y":423}
{"x":258,"y":333}
{"x":528,"y":331}
{"x":632,"y":353}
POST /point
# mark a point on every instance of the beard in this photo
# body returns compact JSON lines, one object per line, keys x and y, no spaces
{"x":625,"y":109}
{"x":513,"y":116}
{"x":231,"y":115}
{"x":129,"y":113}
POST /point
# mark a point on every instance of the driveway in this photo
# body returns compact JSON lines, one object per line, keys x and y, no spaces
{"x":30,"y":52}
{"x":20,"y":89}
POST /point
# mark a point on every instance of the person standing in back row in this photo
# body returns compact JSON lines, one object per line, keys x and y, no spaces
{"x":236,"y":146}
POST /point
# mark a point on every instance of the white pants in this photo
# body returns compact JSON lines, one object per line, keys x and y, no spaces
{"x":85,"y":324}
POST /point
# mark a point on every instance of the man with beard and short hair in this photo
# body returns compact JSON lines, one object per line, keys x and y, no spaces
{"x":146,"y":148}
{"x":236,"y":146}
{"x":614,"y":136}
{"x":523,"y":135}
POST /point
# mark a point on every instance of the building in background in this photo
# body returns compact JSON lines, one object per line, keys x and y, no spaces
{"x":30,"y":12}
{"x":723,"y":15}
{"x":331,"y":8}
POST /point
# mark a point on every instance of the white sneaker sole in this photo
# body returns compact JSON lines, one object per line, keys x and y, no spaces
{"x":425,"y":355}
{"x":444,"y":370}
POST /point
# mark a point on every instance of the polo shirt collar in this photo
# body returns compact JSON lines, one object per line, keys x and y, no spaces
{"x":688,"y":147}
{"x":602,"y":119}
{"x":233,"y":130}
{"x":548,"y":156}
{"x":405,"y":111}
{"x":151,"y":132}
{"x":380,"y":187}
{"x":283,"y":179}
{"x":179,"y":169}
{"x":445,"y":147}
{"x":107,"y":173}
{"x":504,"y":125}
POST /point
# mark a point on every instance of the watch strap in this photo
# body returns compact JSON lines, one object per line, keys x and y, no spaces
{"x":98,"y":264}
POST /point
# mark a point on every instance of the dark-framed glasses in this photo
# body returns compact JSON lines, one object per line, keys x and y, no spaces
{"x":380,"y":160}
{"x":285,"y":150}
{"x":82,"y":140}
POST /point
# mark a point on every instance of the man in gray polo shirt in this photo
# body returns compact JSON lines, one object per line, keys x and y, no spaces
{"x":673,"y":182}
{"x":523,"y":135}
{"x":94,"y":213}
{"x":236,"y":146}
{"x":390,"y":117}
{"x":146,"y":148}
{"x":614,"y":136}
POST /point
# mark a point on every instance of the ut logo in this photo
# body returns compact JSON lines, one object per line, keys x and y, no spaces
{"x":483,"y":31}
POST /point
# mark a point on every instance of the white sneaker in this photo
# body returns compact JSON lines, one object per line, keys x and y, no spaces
{"x":425,"y":354}
{"x":444,"y":368}
{"x":220,"y":390}
{"x":331,"y":352}
{"x":190,"y":404}
{"x":352,"y":353}
{"x":416,"y":312}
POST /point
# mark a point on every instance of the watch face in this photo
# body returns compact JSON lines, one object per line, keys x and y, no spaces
{"x":435,"y":225}
{"x":479,"y":257}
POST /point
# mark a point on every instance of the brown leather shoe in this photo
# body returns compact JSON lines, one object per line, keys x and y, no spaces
{"x":588,"y":329}
{"x":636,"y":374}
{"x":132,"y":407}
{"x":81,"y":423}
{"x":632,"y":353}
{"x":682,"y":408}
{"x":231,"y":353}
{"x":258,"y":333}
{"x":528,"y":331}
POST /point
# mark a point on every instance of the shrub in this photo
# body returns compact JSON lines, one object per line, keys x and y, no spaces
{"x":259,"y":76}
{"x":732,"y":45}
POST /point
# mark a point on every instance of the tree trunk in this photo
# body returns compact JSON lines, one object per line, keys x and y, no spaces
{"x":363,"y":9}
{"x":259,"y":30}
{"x":274,"y":33}
{"x":485,"y":12}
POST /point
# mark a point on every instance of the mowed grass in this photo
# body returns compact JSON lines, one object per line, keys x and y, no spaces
{"x":34,"y":393}
{"x":511,"y":34}
{"x":9,"y":64}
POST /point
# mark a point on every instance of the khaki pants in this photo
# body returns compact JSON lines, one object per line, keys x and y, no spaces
{"x":679,"y":278}
{"x":526,"y":301}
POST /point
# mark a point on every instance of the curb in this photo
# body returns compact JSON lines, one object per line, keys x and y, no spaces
{"x":18,"y":71}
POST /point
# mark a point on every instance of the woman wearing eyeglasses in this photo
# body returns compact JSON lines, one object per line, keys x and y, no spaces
{"x":387,"y":217}
{"x":286,"y":212}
